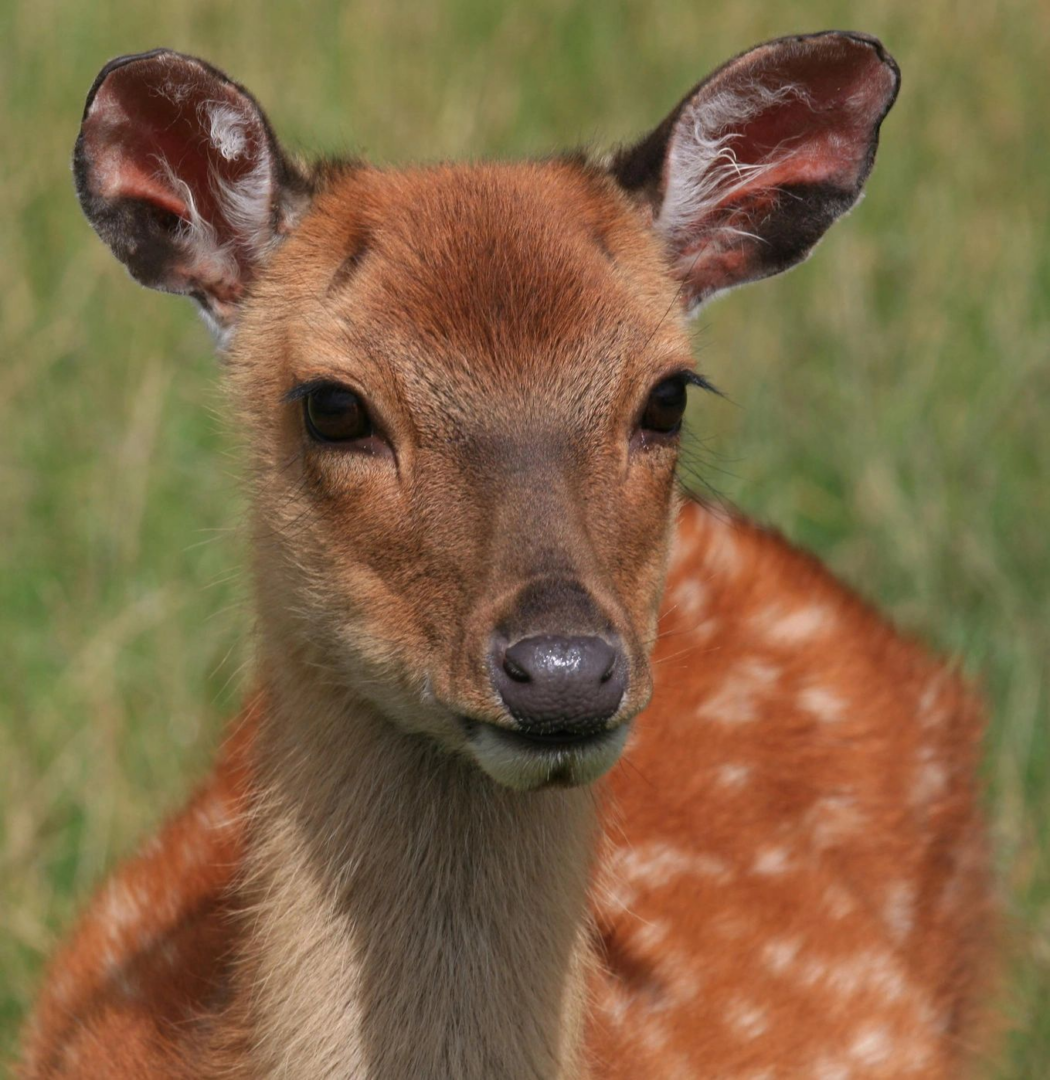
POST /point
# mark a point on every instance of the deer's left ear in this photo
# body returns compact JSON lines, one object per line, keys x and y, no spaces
{"x":179,"y":173}
{"x":751,"y":168}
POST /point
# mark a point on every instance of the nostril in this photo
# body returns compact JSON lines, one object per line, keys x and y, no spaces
{"x":607,"y":674}
{"x":515,"y":670}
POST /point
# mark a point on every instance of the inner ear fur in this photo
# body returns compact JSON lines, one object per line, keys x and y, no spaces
{"x":755,"y":163}
{"x":178,"y":171}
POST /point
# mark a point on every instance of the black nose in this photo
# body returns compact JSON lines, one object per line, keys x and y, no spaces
{"x":560,"y":686}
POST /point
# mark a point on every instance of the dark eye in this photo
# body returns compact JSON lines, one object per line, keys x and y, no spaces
{"x":335,"y":414}
{"x":665,"y":407}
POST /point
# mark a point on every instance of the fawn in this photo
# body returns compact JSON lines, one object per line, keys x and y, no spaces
{"x":462,"y":387}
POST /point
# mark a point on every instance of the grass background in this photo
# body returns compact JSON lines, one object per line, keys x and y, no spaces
{"x":892,"y":392}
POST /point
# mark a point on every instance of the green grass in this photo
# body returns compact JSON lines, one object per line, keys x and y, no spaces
{"x":892,"y":392}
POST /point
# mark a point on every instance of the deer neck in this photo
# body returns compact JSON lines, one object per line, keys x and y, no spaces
{"x":409,"y":916}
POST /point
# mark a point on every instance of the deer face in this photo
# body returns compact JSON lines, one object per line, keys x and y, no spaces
{"x":465,"y":390}
{"x":463,"y":385}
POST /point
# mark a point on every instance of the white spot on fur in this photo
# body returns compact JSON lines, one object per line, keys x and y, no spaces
{"x":705,"y":629}
{"x":63,"y":986}
{"x":685,"y":982}
{"x":871,"y":1047}
{"x":722,"y":556}
{"x":780,"y":954}
{"x":735,"y":701}
{"x":122,"y":907}
{"x":771,"y":861}
{"x":931,"y":714}
{"x":747,"y":1019}
{"x":690,"y":597}
{"x":654,"y":1037}
{"x":792,"y":627}
{"x":931,"y":779}
{"x":214,"y":814}
{"x":850,"y":975}
{"x":616,"y":1004}
{"x":825,"y":705}
{"x":832,"y":820}
{"x":657,"y":865}
{"x":733,"y":775}
{"x":899,"y":909}
{"x":650,"y":935}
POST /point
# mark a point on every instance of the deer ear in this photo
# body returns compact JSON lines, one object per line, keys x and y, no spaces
{"x":179,"y":173}
{"x":748,"y":172}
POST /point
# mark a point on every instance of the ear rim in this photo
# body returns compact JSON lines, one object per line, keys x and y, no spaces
{"x":639,"y":167}
{"x":137,"y":231}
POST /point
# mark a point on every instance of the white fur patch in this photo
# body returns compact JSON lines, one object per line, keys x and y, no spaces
{"x":793,"y":626}
{"x":899,"y":909}
{"x":871,"y":1047}
{"x":833,"y":820}
{"x":747,"y":1019}
{"x":931,"y":779}
{"x":780,"y":954}
{"x":771,"y":862}
{"x":824,"y":704}
{"x":652,"y":866}
{"x":736,"y":700}
{"x":722,"y":556}
{"x":690,"y":597}
{"x":733,"y":775}
{"x":931,"y":712}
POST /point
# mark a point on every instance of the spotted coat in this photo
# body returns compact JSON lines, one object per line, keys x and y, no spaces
{"x":792,"y":880}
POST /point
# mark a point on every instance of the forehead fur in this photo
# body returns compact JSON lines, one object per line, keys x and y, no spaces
{"x":475,"y":272}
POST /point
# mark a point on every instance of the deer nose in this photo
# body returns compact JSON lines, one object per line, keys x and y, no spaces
{"x":560,"y":687}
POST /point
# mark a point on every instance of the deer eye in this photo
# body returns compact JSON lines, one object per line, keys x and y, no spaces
{"x":665,"y":407}
{"x":335,"y":414}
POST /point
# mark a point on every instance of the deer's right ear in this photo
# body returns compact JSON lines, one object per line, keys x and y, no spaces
{"x":179,"y":173}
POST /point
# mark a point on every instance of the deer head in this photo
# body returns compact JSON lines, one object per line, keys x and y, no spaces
{"x":462,"y":386}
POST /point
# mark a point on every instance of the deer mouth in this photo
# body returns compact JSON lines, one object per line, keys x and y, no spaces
{"x":555,"y":757}
{"x":558,"y":737}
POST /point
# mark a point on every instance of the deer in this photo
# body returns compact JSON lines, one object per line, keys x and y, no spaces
{"x":547,"y":769}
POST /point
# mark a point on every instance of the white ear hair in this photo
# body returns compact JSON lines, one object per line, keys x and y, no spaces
{"x":702,"y":169}
{"x":179,"y":173}
{"x":247,"y":204}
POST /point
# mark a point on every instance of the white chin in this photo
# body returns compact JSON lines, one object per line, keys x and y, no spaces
{"x":516,"y":763}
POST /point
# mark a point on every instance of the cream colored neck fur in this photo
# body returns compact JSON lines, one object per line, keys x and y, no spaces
{"x":411,"y":918}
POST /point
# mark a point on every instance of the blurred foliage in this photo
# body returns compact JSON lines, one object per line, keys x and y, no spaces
{"x":890,"y":391}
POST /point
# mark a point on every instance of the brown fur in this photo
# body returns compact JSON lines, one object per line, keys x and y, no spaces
{"x":786,"y":875}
